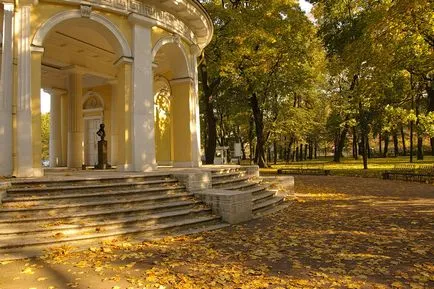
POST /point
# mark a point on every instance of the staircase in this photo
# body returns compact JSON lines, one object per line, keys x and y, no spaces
{"x":264,"y":201}
{"x":38,"y":214}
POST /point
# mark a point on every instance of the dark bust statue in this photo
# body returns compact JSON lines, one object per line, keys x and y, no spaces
{"x":101,"y":132}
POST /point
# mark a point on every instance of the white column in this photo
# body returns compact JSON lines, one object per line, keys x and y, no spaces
{"x":194,"y":109}
{"x":24,"y":114}
{"x":56,"y":127}
{"x":6,"y":81}
{"x":75,"y":122}
{"x":64,"y":130}
{"x":143,"y":138}
{"x":114,"y":125}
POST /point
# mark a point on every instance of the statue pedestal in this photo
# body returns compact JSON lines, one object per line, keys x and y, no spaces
{"x":102,"y":155}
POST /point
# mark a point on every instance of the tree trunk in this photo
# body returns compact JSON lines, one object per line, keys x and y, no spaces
{"x":432,"y":146}
{"x":386,"y":145}
{"x":365,"y":149}
{"x":419,"y":136}
{"x":305,"y":152}
{"x":404,"y":148}
{"x":355,"y":152}
{"x":430,"y":92}
{"x":296,"y":153}
{"x":275,"y":152}
{"x":310,"y":150}
{"x":369,"y":147}
{"x":316,"y":150}
{"x":411,"y":141}
{"x":420,"y":148}
{"x":301,"y":153}
{"x":340,"y":143}
{"x":258,"y":117}
{"x":251,"y":138}
{"x":210,"y":119}
{"x":380,"y":141}
{"x":395,"y":144}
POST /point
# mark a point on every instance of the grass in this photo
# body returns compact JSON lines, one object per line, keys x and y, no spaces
{"x":349,"y":166}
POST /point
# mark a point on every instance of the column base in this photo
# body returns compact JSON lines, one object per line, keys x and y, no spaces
{"x":148,"y":168}
{"x":28,"y":172}
{"x":125,"y":168}
{"x":75,"y":150}
{"x":187,"y":164}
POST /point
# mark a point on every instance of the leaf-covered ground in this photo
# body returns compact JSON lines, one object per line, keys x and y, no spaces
{"x":339,"y":232}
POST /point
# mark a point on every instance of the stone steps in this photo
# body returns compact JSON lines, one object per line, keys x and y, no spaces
{"x":181,"y":205}
{"x":93,"y":188}
{"x":262,"y":196}
{"x":175,"y":230}
{"x":220,"y":183}
{"x":24,"y":228}
{"x":38,"y":214}
{"x":84,"y":233}
{"x":262,"y":199}
{"x":70,"y":181}
{"x":43,"y":203}
{"x":77,"y":196}
{"x":69,"y":208}
{"x":266,"y":204}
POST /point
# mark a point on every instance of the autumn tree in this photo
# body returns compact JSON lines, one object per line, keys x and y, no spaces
{"x":267,"y":54}
{"x":372,"y":42}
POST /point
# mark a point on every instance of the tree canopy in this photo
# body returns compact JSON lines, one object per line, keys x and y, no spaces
{"x":275,"y":81}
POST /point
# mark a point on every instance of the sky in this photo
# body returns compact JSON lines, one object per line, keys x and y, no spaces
{"x":45,"y":97}
{"x":45,"y":102}
{"x":305,"y":6}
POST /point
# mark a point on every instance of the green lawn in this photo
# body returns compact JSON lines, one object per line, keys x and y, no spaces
{"x":351,"y":167}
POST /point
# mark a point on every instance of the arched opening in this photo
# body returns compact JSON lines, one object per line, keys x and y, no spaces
{"x":172,"y":88}
{"x":163,"y":121}
{"x":78,"y":70}
{"x":93,"y":116}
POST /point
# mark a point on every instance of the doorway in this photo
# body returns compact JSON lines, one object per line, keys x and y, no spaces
{"x":91,"y":141}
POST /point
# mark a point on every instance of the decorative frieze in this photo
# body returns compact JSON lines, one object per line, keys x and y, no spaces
{"x":163,"y":18}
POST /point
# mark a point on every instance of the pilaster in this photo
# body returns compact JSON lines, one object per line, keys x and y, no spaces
{"x":64,"y":99}
{"x":24,"y":167}
{"x":183,"y":124}
{"x":35,"y":88}
{"x":143,"y":138}
{"x":6,"y":83}
{"x":75,"y":121}
{"x":114,"y":125}
{"x":123,"y":116}
{"x":56,"y":127}
{"x":194,"y":109}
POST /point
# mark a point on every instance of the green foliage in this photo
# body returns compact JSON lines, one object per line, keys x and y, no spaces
{"x":266,"y":49}
{"x":45,"y":135}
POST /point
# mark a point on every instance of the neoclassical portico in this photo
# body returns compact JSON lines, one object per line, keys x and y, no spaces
{"x":128,"y":64}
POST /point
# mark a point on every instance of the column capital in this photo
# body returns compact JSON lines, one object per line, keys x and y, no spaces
{"x":27,"y":2}
{"x":54,"y":91}
{"x":36,"y":49}
{"x":8,"y":6}
{"x":141,"y":20}
{"x":123,"y":60}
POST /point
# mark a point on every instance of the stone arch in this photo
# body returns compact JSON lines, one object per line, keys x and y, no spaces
{"x":92,"y":100}
{"x":160,"y":82}
{"x":163,"y":121}
{"x":175,"y":40}
{"x":122,"y":44}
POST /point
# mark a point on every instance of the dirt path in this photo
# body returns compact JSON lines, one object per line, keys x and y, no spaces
{"x":339,"y":232}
